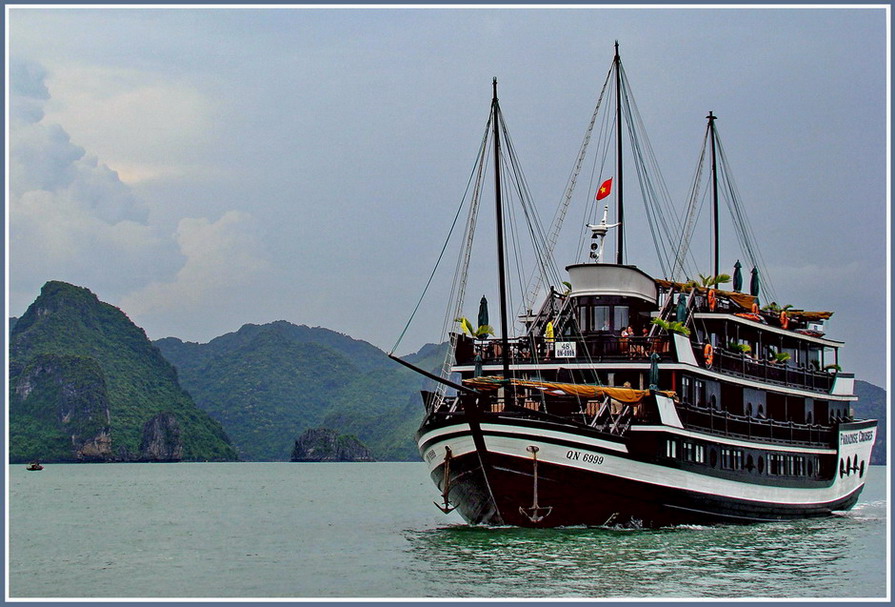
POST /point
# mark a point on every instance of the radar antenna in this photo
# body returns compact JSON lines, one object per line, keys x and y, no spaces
{"x":598,"y":233}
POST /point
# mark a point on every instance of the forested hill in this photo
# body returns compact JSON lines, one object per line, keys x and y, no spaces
{"x":871,"y":404}
{"x":85,"y":384}
{"x":269,"y":383}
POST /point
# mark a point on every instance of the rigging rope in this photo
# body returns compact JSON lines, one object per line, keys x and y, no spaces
{"x":559,"y":216}
{"x":445,"y":245}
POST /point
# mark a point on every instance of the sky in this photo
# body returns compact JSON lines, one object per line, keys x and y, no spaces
{"x":203,"y":168}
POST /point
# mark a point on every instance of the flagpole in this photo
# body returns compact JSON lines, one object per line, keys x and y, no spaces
{"x":505,"y":351}
{"x":711,"y":118}
{"x":620,"y":212}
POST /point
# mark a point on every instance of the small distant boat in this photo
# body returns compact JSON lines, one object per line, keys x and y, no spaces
{"x":34,"y":466}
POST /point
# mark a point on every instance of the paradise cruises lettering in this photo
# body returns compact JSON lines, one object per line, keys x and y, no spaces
{"x":856,"y":437}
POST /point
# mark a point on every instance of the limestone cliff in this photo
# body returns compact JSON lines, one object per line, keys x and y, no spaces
{"x":86,"y":384}
{"x":162,"y":440}
{"x":325,"y":445}
{"x":67,"y":397}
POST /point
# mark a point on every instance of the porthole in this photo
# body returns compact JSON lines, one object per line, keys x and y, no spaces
{"x":810,"y":468}
{"x":760,"y":465}
{"x":713,"y":457}
{"x":750,"y":465}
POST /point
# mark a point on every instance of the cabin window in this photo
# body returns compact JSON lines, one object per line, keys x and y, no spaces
{"x":700,"y":393}
{"x":693,"y":452}
{"x":815,"y":359}
{"x":671,"y":448}
{"x":600,"y":318}
{"x":687,"y":390}
{"x":731,"y":459}
{"x":619,"y":317}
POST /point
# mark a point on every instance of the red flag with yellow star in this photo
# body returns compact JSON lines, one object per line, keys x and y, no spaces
{"x":604,"y":190}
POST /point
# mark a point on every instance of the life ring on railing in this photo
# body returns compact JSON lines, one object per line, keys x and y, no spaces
{"x":709,"y":355}
{"x":755,"y":308}
{"x":784,"y":319}
{"x":713,"y":300}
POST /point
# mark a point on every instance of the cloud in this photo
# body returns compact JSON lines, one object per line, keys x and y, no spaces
{"x":72,"y":218}
{"x":143,"y":125}
{"x":220,"y":257}
{"x":70,"y":215}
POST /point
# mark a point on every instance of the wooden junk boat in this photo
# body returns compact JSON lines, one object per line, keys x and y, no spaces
{"x":714,"y":409}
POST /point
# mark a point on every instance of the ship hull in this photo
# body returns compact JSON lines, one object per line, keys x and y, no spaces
{"x":582,"y":480}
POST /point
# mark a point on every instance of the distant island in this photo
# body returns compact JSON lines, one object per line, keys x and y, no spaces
{"x":325,"y":445}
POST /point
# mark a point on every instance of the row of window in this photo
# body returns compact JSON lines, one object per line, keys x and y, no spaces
{"x":602,"y":318}
{"x":731,"y":458}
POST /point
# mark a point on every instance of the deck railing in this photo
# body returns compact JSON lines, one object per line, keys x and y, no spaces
{"x":597,"y":348}
{"x":726,"y":423}
{"x":779,"y":373}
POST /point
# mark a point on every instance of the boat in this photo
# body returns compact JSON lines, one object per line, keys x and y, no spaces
{"x":34,"y":466}
{"x":630,"y":400}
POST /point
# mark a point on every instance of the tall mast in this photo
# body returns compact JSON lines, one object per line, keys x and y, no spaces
{"x":711,"y":118}
{"x":620,"y":209}
{"x":505,"y":351}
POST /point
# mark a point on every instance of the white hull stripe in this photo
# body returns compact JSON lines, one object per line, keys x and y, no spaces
{"x":548,"y":434}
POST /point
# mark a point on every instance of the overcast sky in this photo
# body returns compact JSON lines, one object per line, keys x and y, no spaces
{"x":206,"y":168}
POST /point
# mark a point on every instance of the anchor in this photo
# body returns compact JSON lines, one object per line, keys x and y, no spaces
{"x":534,"y":514}
{"x":446,"y":508}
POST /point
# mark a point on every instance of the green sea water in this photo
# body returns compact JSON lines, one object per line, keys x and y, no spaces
{"x":370,"y":530}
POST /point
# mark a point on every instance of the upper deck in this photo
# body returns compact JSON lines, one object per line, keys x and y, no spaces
{"x":592,"y":325}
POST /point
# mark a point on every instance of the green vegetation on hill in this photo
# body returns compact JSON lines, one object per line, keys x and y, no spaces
{"x":871,"y":404}
{"x":75,"y":357}
{"x":267,"y":384}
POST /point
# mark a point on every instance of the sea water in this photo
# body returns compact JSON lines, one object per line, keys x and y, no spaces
{"x":370,"y":530}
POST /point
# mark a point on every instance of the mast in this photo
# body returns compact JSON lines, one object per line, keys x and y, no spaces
{"x":711,"y":118}
{"x":620,"y":209}
{"x":505,"y":351}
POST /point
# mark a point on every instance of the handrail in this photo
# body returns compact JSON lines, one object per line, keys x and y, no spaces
{"x":597,"y":348}
{"x":713,"y":420}
{"x":745,"y":366}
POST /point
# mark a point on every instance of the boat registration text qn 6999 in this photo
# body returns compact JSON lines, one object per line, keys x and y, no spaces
{"x":589,"y":458}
